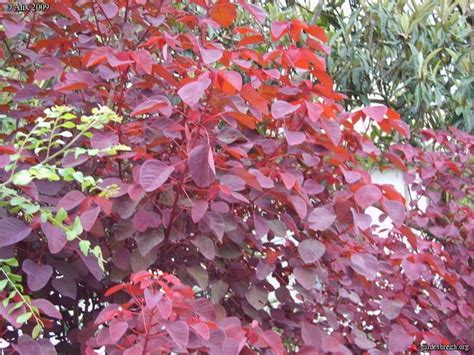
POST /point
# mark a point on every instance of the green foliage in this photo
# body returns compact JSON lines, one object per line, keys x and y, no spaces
{"x":412,"y":56}
{"x":52,"y":138}
{"x":15,"y":301}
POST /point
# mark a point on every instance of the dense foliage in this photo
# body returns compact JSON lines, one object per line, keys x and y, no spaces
{"x":187,"y":147}
{"x":413,"y":56}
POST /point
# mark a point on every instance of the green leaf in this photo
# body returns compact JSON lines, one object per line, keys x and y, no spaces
{"x":36,"y":331}
{"x":22,"y":178}
{"x":85,"y":245}
{"x":3,"y":284}
{"x":11,"y":262}
{"x":24,"y":317}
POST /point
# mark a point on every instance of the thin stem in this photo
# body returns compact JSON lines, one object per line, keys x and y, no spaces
{"x":38,"y":321}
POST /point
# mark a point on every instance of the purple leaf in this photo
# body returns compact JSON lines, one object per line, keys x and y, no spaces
{"x":110,"y":9}
{"x":282,"y":108}
{"x":398,"y":339}
{"x":205,"y":246}
{"x":311,"y":250}
{"x":375,"y":112}
{"x":201,"y":165}
{"x":13,"y":28}
{"x":261,"y":226}
{"x":210,"y":55}
{"x":66,"y":287}
{"x":153,"y":174}
{"x":311,"y":334}
{"x":117,"y":329}
{"x":198,"y":210}
{"x":294,"y":138}
{"x":257,"y":297}
{"x":299,"y":205}
{"x":321,"y":219}
{"x":361,"y":220}
{"x":365,"y":264}
{"x":391,"y":308}
{"x":314,"y":111}
{"x":367,"y":195}
{"x":306,"y":277}
{"x":55,"y":236}
{"x":12,"y":231}
{"x":216,"y":224}
{"x":142,"y":220}
{"x":71,"y":200}
{"x":179,"y":332}
{"x":191,"y":93}
{"x":38,"y":275}
{"x":89,"y":217}
{"x":395,"y":210}
{"x":332,"y":130}
{"x":47,"y":308}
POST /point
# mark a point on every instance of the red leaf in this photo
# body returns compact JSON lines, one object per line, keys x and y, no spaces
{"x":97,"y":56}
{"x":401,"y":127}
{"x":311,"y":334}
{"x":223,"y":13}
{"x":351,"y":176}
{"x":202,"y":330}
{"x":179,"y":332}
{"x":153,"y":174}
{"x":311,"y":250}
{"x":12,"y":231}
{"x":367,"y":195}
{"x":321,"y":219}
{"x":317,"y":32}
{"x":282,"y":108}
{"x":242,"y":118}
{"x":143,"y":61}
{"x":201,"y":165}
{"x":230,"y":81}
{"x":192,"y":92}
{"x":162,"y":105}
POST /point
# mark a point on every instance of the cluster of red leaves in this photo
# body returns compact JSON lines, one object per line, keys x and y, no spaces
{"x":244,"y":179}
{"x":167,"y":318}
